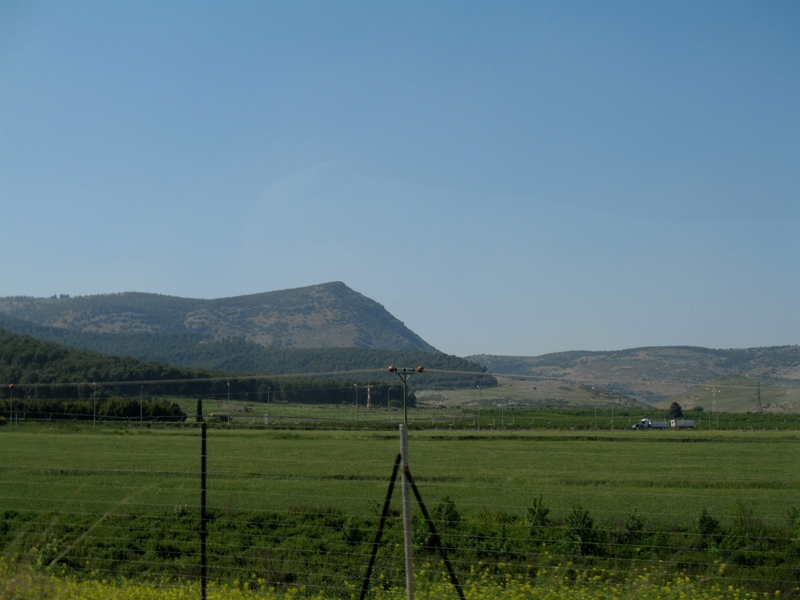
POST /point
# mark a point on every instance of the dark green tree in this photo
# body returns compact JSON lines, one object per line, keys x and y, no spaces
{"x":675,"y":411}
{"x":581,"y":534}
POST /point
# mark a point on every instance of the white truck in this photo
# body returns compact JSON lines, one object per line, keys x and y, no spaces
{"x":648,"y":424}
{"x":674,"y":424}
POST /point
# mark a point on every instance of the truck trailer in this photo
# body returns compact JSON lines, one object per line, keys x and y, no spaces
{"x":672,"y":424}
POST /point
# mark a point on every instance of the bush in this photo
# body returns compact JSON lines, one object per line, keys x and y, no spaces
{"x":708,"y":528}
{"x":633,"y":529}
{"x":581,"y":535}
{"x":538,"y":519}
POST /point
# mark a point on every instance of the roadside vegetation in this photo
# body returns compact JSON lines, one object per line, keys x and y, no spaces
{"x":25,"y":583}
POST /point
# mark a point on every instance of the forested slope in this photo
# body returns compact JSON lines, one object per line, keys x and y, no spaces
{"x":41,"y":370}
{"x":239,"y":355}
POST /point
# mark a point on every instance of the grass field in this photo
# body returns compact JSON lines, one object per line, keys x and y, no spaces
{"x":666,"y":475}
{"x":69,"y":490}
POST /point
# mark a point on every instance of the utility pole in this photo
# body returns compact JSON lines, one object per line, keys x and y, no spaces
{"x":404,"y":374}
{"x":759,"y":397}
{"x":480,"y":400}
{"x":713,"y":407}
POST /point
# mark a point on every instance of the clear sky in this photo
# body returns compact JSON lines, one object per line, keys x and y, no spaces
{"x":504,"y":177}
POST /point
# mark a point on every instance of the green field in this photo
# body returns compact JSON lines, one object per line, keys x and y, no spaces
{"x":125,"y":499}
{"x":666,"y":475}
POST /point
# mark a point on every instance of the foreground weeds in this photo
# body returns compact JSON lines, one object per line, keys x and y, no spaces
{"x":316,"y":553}
{"x":19,"y":582}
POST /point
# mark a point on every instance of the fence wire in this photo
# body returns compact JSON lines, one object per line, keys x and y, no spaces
{"x":294,"y":508}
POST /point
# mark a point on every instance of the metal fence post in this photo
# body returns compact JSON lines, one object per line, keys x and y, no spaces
{"x":203,"y":516}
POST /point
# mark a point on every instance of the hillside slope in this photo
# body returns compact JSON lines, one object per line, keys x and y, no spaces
{"x":239,"y":355}
{"x":329,"y":315}
{"x":741,"y":394}
{"x":652,"y":373}
{"x":33,"y":369}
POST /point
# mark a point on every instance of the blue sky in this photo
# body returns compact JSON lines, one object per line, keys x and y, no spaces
{"x":504,"y":177}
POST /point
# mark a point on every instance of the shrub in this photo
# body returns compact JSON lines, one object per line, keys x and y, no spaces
{"x":538,"y":518}
{"x":582,"y":536}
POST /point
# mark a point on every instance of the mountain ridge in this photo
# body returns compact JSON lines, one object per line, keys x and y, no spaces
{"x":651,"y":373}
{"x":296,"y":329}
{"x":320,"y":316}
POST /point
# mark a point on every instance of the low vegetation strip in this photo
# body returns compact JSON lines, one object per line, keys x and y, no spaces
{"x":25,"y":583}
{"x":325,"y":549}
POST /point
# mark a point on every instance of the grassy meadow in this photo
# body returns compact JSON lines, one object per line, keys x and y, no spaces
{"x":669,"y":476}
{"x":294,"y":507}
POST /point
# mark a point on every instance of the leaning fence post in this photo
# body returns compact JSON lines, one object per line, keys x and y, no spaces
{"x":381,"y":524}
{"x":437,"y":540}
{"x":406,"y":514}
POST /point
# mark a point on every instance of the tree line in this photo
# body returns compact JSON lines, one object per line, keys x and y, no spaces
{"x":235,"y":354}
{"x":40,"y":370}
{"x":115,"y":409}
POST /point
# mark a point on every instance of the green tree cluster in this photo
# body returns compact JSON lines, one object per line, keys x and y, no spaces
{"x":42,"y":370}
{"x":115,"y":409}
{"x":235,"y":354}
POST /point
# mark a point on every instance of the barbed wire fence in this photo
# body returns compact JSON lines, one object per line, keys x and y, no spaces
{"x":291,"y":507}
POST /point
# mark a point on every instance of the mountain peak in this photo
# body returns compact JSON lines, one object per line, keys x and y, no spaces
{"x":327,"y":315}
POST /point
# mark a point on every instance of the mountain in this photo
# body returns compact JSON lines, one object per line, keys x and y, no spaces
{"x":654,"y":373}
{"x":330,"y":315}
{"x":319,"y":329}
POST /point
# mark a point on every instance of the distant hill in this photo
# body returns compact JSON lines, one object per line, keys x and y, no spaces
{"x":655,"y":373}
{"x":41,"y":370}
{"x":329,"y":315}
{"x":320,"y":329}
{"x":741,"y":394}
